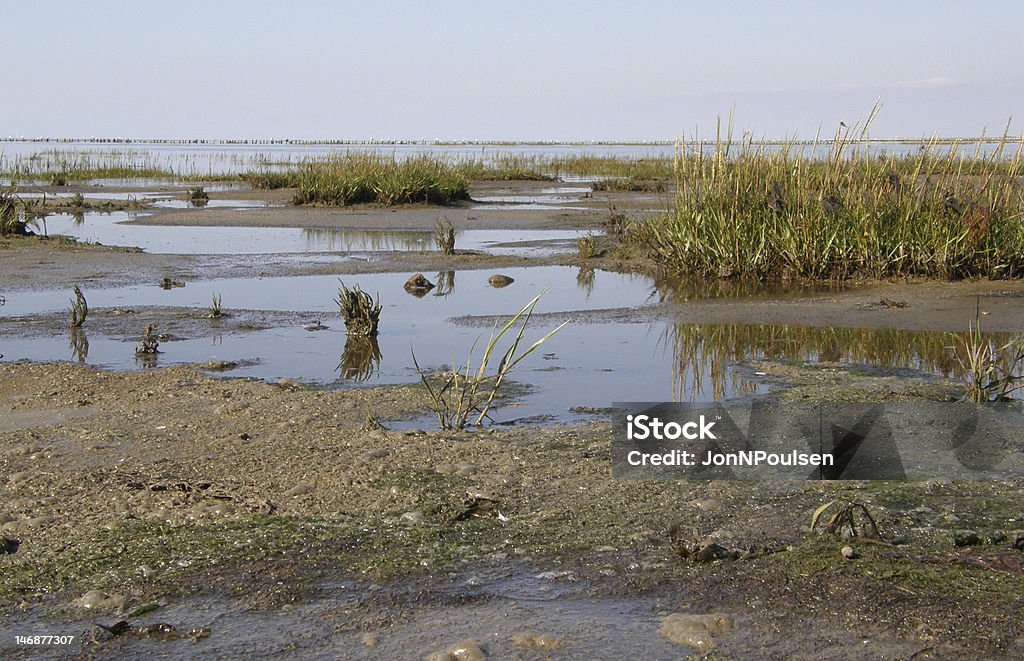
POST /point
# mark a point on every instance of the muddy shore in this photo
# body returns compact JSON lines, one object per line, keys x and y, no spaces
{"x":269,"y":518}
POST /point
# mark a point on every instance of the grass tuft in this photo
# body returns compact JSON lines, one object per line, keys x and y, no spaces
{"x":444,"y":237}
{"x":374,"y":179}
{"x":462,"y":392}
{"x":360,"y":312}
{"x":79,"y":308}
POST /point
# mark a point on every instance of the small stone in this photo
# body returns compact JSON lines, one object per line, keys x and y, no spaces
{"x":966,"y":538}
{"x":418,"y":283}
{"x":498,"y":281}
{"x":413,"y":518}
{"x":696,"y":631}
{"x":849,"y":553}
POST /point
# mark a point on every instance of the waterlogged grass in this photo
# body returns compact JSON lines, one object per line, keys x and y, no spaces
{"x":371,"y":178}
{"x":782,"y":214}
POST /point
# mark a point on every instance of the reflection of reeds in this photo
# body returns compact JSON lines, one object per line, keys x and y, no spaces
{"x":445,"y":283}
{"x":585,"y":280}
{"x":79,"y":344}
{"x":704,"y":353}
{"x":360,"y":358}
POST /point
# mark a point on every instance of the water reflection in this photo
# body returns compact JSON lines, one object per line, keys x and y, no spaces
{"x":344,"y":240}
{"x":360,"y":358}
{"x":585,"y":280}
{"x":705,"y":355}
{"x":78,"y":342}
{"x":445,"y":283}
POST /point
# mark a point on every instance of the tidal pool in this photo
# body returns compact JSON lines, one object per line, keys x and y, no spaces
{"x":620,"y":347}
{"x":116,"y":229}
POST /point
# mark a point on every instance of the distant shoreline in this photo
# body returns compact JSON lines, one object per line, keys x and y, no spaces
{"x":509,"y":143}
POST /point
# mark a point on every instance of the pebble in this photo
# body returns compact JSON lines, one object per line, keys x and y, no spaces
{"x":98,"y":600}
{"x":414,"y":518}
{"x":533,"y":641}
{"x":849,"y":553}
{"x":696,"y":631}
{"x":466,"y":650}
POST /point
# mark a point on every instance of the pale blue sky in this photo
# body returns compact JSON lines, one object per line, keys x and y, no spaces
{"x":516,"y":70}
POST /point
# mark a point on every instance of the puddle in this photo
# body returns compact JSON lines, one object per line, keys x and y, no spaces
{"x":591,"y":363}
{"x":523,"y":615}
{"x":116,"y":229}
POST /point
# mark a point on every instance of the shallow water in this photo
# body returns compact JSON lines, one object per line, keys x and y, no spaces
{"x":116,"y":229}
{"x":616,"y":356}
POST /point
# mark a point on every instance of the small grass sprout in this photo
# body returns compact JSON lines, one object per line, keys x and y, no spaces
{"x":461,"y":393}
{"x":79,"y":308}
{"x":444,"y":237}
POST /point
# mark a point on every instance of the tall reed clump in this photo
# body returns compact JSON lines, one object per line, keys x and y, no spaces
{"x":360,"y":312}
{"x":371,"y":178}
{"x":784,"y":213}
{"x":460,"y":393}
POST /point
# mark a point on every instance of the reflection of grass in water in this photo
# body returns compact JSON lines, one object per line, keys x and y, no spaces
{"x":372,"y":240}
{"x":445,"y":283}
{"x":704,"y":353}
{"x":360,"y":358}
{"x":585,"y":280}
{"x":79,"y":344}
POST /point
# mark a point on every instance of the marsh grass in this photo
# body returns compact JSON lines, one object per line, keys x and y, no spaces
{"x":444,"y":237}
{"x":371,"y":178}
{"x":746,"y":211}
{"x":993,"y":372}
{"x":461,"y":393}
{"x":197,"y":196}
{"x":360,"y":312}
{"x":12,"y":220}
{"x":79,"y":308}
{"x":149,"y":345}
{"x":215,"y":310}
{"x":586,"y":246}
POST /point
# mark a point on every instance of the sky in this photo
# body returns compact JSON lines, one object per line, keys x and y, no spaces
{"x":521,"y":70}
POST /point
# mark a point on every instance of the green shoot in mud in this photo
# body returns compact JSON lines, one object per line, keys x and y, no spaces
{"x":993,"y":372}
{"x":149,"y":345}
{"x":79,"y":308}
{"x":360,"y":312}
{"x":444,"y":237}
{"x":462,"y":392}
{"x":784,"y":214}
{"x":371,"y":178}
{"x":215,"y":311}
